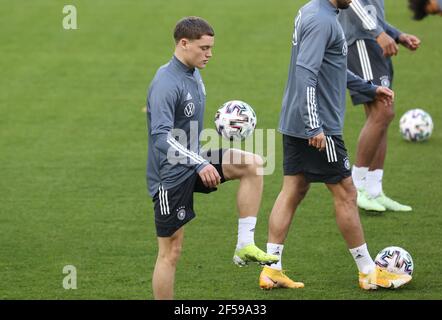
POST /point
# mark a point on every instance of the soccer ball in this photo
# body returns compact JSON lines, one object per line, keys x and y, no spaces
{"x":416,"y":125}
{"x":235,"y":120}
{"x":396,"y":260}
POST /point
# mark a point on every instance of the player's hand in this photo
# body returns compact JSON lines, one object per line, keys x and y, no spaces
{"x":388,"y":45}
{"x":318,"y":141}
{"x":409,"y":41}
{"x":210,"y":176}
{"x":385,"y":95}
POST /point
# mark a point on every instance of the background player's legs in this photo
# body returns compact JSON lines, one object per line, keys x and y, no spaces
{"x":248,"y":168}
{"x":370,"y":153}
{"x":370,"y":157}
{"x":372,"y":142}
{"x":169,"y":251}
{"x":379,"y":157}
{"x":373,"y":182}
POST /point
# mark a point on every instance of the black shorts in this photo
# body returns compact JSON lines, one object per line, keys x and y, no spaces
{"x":329,"y":166}
{"x":174,"y":207}
{"x":366,"y":59}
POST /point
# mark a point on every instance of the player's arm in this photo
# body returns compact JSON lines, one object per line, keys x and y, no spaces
{"x":356,"y":83}
{"x":162,"y":101}
{"x":392,"y":31}
{"x":313,"y":40}
{"x":409,"y":41}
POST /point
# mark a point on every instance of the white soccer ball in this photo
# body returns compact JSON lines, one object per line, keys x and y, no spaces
{"x":396,"y":260}
{"x":235,"y":120}
{"x":416,"y":125}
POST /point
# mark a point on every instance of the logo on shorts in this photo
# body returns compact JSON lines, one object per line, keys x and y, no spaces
{"x":189,"y":110}
{"x":181,"y":215}
{"x":347,"y":163}
{"x":385,"y":81}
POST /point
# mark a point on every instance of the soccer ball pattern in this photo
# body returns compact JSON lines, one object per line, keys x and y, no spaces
{"x":235,"y":120}
{"x":416,"y":125}
{"x":396,"y":260}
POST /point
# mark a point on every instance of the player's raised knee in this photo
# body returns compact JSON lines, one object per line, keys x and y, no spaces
{"x":254,"y":163}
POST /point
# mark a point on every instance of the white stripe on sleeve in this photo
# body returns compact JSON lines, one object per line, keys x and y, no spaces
{"x":180,"y":148}
{"x":308,"y":108}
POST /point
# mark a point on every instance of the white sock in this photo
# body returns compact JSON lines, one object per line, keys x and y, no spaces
{"x":276,"y":249}
{"x":373,"y":183}
{"x":359,"y":175}
{"x":246,"y":232}
{"x":362,"y":258}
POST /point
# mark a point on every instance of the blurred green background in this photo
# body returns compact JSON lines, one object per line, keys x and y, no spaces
{"x":73,"y":152}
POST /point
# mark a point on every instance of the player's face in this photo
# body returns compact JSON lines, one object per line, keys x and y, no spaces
{"x":343,"y":4}
{"x":198,"y":52}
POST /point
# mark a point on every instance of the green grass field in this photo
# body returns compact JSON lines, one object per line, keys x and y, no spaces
{"x":73,"y":152}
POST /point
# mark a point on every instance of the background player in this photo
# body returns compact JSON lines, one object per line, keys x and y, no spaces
{"x":423,"y":8}
{"x":372,"y":41}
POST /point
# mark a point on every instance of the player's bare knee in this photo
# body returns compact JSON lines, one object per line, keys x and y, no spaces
{"x":295,"y":192}
{"x":255,"y":164}
{"x":173,"y":254}
{"x":346,"y":194}
{"x":301,"y":191}
{"x":390,"y":114}
{"x":350,"y":196}
{"x":384,"y":115}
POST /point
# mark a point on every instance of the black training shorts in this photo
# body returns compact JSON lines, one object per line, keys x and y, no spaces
{"x":366,"y":59}
{"x":174,"y":206}
{"x":329,"y":166}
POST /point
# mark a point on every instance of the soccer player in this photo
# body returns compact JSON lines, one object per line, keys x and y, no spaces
{"x":372,"y":42}
{"x":176,"y":167}
{"x":422,"y":8}
{"x":311,"y":122}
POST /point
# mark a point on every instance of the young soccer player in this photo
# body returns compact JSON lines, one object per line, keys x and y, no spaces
{"x":176,"y":166}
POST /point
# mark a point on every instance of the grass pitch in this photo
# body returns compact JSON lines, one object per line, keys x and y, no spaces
{"x":73,"y":152}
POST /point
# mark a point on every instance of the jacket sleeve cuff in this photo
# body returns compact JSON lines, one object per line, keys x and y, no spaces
{"x":314,"y":132}
{"x":202,"y":166}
